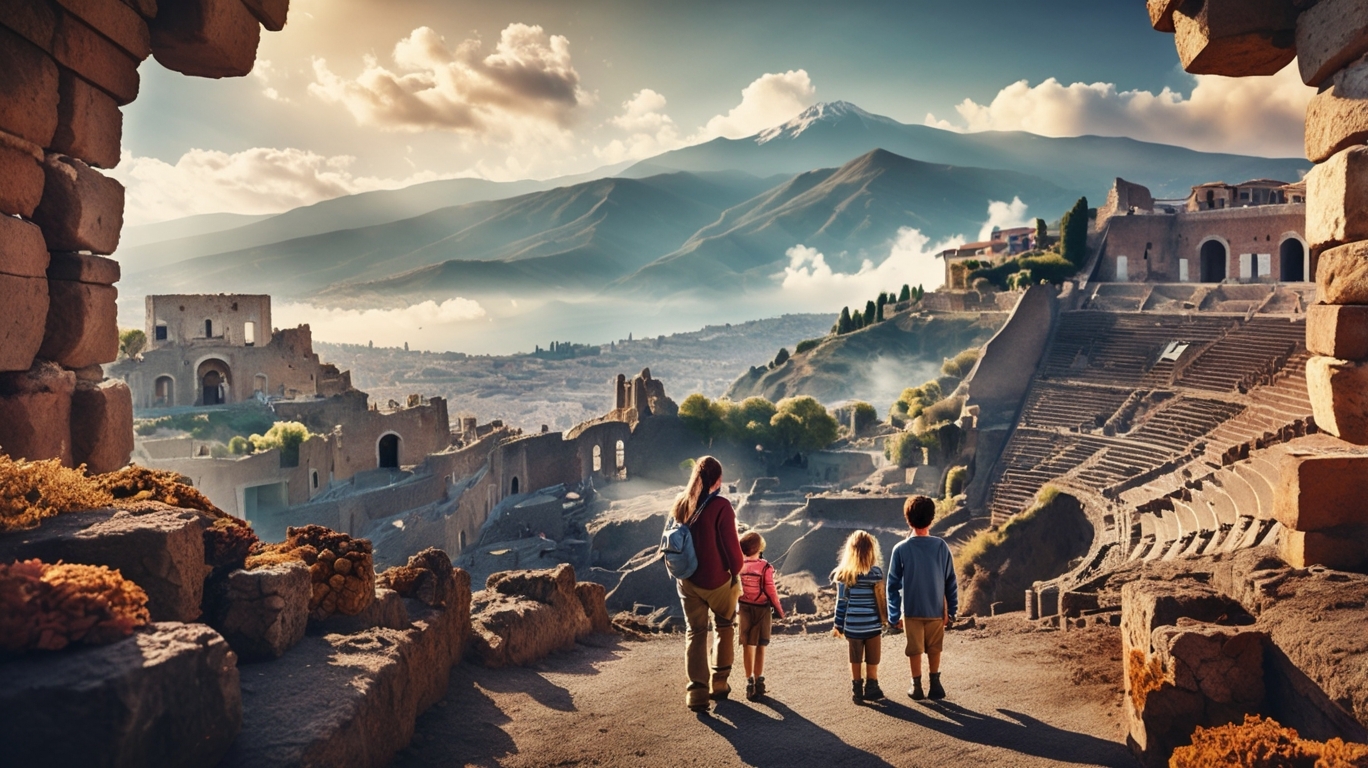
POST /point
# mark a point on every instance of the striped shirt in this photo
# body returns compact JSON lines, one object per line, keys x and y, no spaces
{"x":857,"y":611}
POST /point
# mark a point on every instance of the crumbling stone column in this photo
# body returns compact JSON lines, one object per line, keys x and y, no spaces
{"x":1329,"y":39}
{"x":66,"y":66}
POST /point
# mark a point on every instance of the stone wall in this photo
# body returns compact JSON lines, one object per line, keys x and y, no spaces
{"x":1155,"y":246}
{"x":65,"y":69}
{"x":230,"y":319}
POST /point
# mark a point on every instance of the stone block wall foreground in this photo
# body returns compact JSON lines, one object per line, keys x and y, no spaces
{"x":1329,"y":40}
{"x":66,"y":67}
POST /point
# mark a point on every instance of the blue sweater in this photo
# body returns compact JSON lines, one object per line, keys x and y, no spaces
{"x":921,"y":579}
{"x":857,"y":610}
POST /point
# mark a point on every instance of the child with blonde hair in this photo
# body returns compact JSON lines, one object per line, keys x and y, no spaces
{"x":861,"y":611}
{"x":758,"y":598}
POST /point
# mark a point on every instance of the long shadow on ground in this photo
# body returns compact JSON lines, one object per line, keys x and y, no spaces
{"x":763,"y":741}
{"x":1021,"y":733}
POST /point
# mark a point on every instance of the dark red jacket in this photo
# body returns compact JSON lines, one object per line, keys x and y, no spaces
{"x":716,"y":544}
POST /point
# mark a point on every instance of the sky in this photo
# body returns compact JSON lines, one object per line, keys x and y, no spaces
{"x":366,"y":94}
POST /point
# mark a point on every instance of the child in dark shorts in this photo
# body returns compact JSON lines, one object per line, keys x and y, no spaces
{"x":758,"y":599}
{"x":860,"y":612}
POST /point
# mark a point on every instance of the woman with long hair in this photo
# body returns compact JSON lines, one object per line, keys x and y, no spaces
{"x":861,"y":611}
{"x":714,"y":587}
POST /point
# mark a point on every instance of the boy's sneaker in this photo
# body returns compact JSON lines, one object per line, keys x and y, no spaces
{"x":750,"y":688}
{"x":857,"y":691}
{"x":759,"y":686}
{"x":916,"y":690}
{"x":937,"y":692}
{"x":872,"y":691}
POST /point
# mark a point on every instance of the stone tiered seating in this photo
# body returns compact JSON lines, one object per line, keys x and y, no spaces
{"x":1119,"y":297}
{"x":1175,"y":297}
{"x":1071,"y":407}
{"x":1250,"y":350}
{"x":1179,"y":425}
{"x":1124,"y":350}
{"x":1031,"y":459}
{"x":1237,"y":298}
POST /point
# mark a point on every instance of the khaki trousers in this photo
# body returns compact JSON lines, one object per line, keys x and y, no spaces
{"x":698,"y":603}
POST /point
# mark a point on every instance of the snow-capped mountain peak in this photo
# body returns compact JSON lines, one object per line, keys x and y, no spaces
{"x":822,"y":111}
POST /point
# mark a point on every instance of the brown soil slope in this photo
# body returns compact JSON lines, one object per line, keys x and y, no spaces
{"x":1017,"y":698}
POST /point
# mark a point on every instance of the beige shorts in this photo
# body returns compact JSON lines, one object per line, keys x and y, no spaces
{"x":755,"y":624}
{"x":924,"y":635}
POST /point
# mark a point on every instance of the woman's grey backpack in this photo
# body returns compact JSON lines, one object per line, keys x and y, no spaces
{"x":677,"y":546}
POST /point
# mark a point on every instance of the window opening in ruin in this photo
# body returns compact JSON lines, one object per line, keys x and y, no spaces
{"x":1292,"y":258}
{"x":249,"y":333}
{"x":313,"y":477}
{"x":1246,"y":266}
{"x":1211,"y":199}
{"x":388,"y":451}
{"x":261,"y":500}
{"x":1214,"y":258}
{"x":463,"y":540}
{"x":159,"y":333}
{"x":208,"y":329}
{"x":164,"y":390}
{"x":1183,"y":274}
{"x":598,"y":458}
{"x":1122,"y":269}
{"x":1263,"y":265}
{"x":259,"y":384}
{"x":513,"y":487}
{"x":622,"y":458}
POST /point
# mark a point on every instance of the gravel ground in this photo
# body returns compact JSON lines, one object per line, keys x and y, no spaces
{"x":1017,"y":697}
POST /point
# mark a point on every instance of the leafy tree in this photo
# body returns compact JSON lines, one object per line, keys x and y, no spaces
{"x":131,"y":341}
{"x":285,"y":435}
{"x":802,"y":425}
{"x":239,"y":445}
{"x":806,"y":345}
{"x":865,"y":415}
{"x":870,"y":312}
{"x":903,"y":449}
{"x":844,"y":325}
{"x":782,"y":357}
{"x":748,"y":422}
{"x":703,"y":416}
{"x":906,"y":294}
{"x":954,"y":481}
{"x":1074,"y":233}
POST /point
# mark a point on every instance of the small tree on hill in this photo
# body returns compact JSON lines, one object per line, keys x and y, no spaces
{"x":1074,"y":233}
{"x":782,"y":357}
{"x":870,"y":312}
{"x":703,"y":416}
{"x":802,"y":425}
{"x":131,"y":341}
{"x":1041,"y":234}
{"x":844,"y":324}
{"x":906,"y":294}
{"x":879,"y":307}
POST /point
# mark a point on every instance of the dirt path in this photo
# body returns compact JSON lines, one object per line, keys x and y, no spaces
{"x":1017,"y":698}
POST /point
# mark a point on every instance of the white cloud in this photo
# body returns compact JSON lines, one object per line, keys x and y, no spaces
{"x":264,"y":71}
{"x":768,"y":101}
{"x":1247,"y":115}
{"x":650,"y":131}
{"x":258,"y":180}
{"x":386,"y":327}
{"x":528,"y":79}
{"x":1004,"y":216}
{"x":909,"y":262}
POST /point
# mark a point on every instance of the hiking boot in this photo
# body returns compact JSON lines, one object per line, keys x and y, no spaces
{"x":916,"y":690}
{"x":720,"y":694}
{"x":750,"y":688}
{"x":937,"y":692}
{"x":696,"y":699}
{"x":857,"y":691}
{"x":872,"y":691}
{"x":759,"y":686}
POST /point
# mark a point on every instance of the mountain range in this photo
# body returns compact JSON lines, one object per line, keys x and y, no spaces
{"x":712,"y":218}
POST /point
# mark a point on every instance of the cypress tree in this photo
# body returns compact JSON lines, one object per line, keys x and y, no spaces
{"x":906,"y":294}
{"x":844,"y":324}
{"x":869,"y":312}
{"x":1074,"y":233}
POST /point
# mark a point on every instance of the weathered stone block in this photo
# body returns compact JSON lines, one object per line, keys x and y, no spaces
{"x":35,"y":414}
{"x":21,"y":176}
{"x":524,"y":615}
{"x":35,"y":22}
{"x":83,"y":268}
{"x":1148,"y":605}
{"x":91,"y":55}
{"x":1338,"y":193}
{"x":271,"y":13}
{"x":1161,"y":14}
{"x":1330,"y":34}
{"x":388,"y":610}
{"x":159,"y":548}
{"x":1325,"y":491}
{"x":28,"y":91}
{"x":1339,"y":397}
{"x":22,"y":324}
{"x":1338,"y":330}
{"x":101,"y":425}
{"x":82,"y":209}
{"x":167,"y":696}
{"x":206,"y":38}
{"x":82,"y":324}
{"x":264,"y":611}
{"x":22,"y":250}
{"x":1337,"y":117}
{"x":1342,"y":275}
{"x":1343,"y":549}
{"x":593,"y":598}
{"x":90,"y":125}
{"x":1236,"y":38}
{"x":116,"y":21}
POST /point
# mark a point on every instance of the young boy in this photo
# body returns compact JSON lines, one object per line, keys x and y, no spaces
{"x":758,"y":597}
{"x":923,"y":593}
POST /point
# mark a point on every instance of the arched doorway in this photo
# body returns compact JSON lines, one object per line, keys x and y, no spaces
{"x":513,"y":487}
{"x":387,"y":451}
{"x":598,"y":458}
{"x":1214,"y":259}
{"x":164,"y":392}
{"x":215,"y":380}
{"x":622,"y":459}
{"x":1292,"y":255}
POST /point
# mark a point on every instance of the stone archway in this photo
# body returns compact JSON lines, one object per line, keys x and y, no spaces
{"x":513,"y":487}
{"x":387,"y":451}
{"x":164,"y":392}
{"x":1214,"y":259}
{"x":1292,"y":261}
{"x":215,"y":381}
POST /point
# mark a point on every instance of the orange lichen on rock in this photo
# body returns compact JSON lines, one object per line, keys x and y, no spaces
{"x":342,"y":568}
{"x":227,"y":543}
{"x":1263,"y":743}
{"x":33,"y":490}
{"x":1146,"y":676}
{"x":427,"y":577}
{"x":142,"y":484}
{"x":48,"y":607}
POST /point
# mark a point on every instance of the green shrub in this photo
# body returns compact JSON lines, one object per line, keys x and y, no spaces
{"x":239,"y":445}
{"x":806,"y":345}
{"x":285,"y":435}
{"x":903,"y":449}
{"x":954,"y":481}
{"x":960,"y":365}
{"x":781,"y":358}
{"x":865,"y":415}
